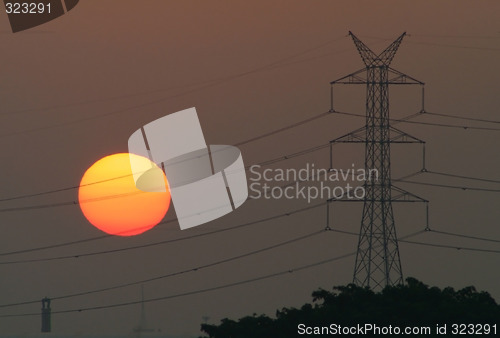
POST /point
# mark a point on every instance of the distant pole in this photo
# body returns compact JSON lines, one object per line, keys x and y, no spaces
{"x":46,"y":320}
{"x":143,"y":326}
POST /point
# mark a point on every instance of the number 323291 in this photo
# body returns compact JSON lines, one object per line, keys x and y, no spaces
{"x":27,"y":8}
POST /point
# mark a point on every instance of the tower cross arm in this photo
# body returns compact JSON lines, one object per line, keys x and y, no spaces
{"x":370,"y":58}
{"x":388,"y":54}
{"x":366,"y":53}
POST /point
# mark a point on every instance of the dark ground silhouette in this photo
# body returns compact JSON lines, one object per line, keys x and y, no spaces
{"x":411,"y":305}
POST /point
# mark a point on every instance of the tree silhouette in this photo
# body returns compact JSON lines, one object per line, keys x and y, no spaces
{"x":409,"y":305}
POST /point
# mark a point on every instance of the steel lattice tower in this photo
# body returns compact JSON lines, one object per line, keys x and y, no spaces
{"x":378,"y":263}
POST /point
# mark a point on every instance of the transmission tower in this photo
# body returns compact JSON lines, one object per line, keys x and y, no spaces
{"x":378,"y":263}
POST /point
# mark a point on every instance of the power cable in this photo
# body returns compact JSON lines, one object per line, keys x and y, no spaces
{"x":456,"y":36}
{"x":437,"y":44}
{"x":451,"y":116}
{"x":242,"y":282}
{"x":465,"y":236}
{"x":402,"y":179}
{"x":253,"y":139}
{"x":452,"y":247}
{"x":181,"y":272}
{"x":465,"y":127}
{"x":119,"y":97}
{"x":450,"y":186}
{"x":463,"y":177}
{"x":94,"y":253}
{"x":204,"y":86}
{"x":432,"y":244}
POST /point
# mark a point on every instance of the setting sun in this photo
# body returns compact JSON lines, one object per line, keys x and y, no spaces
{"x":110,"y":200}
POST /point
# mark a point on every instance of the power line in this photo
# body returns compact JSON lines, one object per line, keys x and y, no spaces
{"x":270,"y":66}
{"x":137,"y":247}
{"x":87,"y":254}
{"x":268,"y":162}
{"x":263,"y":163}
{"x":113,"y":98}
{"x":281,"y":158}
{"x":247,"y":281}
{"x":286,"y":157}
{"x":47,"y":247}
{"x":465,"y":127}
{"x":436,"y":245}
{"x":181,"y":272}
{"x":72,"y":202}
{"x":292,"y":155}
{"x":203,"y":86}
{"x":456,"y":36}
{"x":455,"y":46}
{"x":439,"y":44}
{"x":402,"y":239}
{"x":450,"y":186}
{"x":451,"y":116}
{"x":465,"y":236}
{"x":426,"y":171}
{"x":178,"y":295}
{"x":463,"y":177}
{"x":54,"y":246}
{"x":256,"y":138}
{"x":430,"y":231}
{"x":125,"y":96}
{"x":253,"y":139}
{"x":61,"y":189}
{"x":451,"y":247}
{"x":115,"y":112}
{"x":224,"y":286}
{"x":404,"y":180}
{"x":291,"y":126}
{"x":444,"y":125}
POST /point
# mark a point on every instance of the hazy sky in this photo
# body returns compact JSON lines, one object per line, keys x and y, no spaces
{"x":75,"y":89}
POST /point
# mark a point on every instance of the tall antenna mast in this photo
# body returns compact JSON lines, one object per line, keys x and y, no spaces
{"x":142,"y":327}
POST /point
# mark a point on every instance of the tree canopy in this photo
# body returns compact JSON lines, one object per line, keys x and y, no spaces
{"x":411,"y":304}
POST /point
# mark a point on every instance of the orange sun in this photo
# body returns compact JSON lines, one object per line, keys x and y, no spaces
{"x":110,"y":200}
